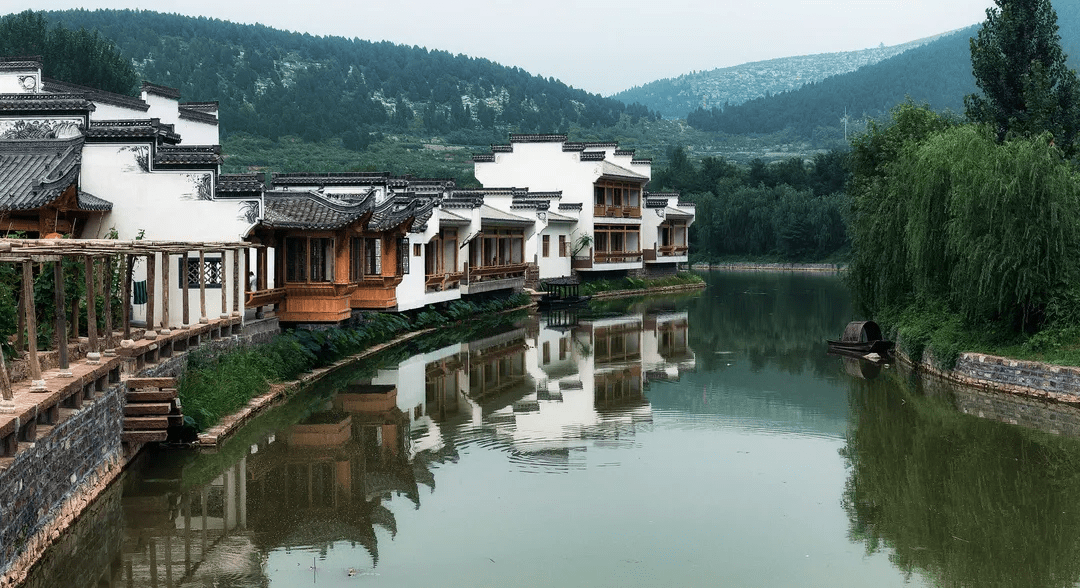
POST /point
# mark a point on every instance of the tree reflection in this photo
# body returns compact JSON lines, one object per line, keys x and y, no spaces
{"x":961,"y":500}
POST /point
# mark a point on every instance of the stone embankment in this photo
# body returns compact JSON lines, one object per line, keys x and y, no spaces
{"x":658,"y":291}
{"x":772,"y":267}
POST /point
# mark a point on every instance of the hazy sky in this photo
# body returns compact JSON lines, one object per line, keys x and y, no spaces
{"x":601,"y":46}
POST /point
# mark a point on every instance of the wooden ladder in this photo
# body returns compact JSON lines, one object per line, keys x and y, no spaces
{"x":152,"y":407}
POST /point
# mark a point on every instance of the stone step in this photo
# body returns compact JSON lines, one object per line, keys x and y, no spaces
{"x":151,"y":396}
{"x":143,"y":436}
{"x":138,"y":383}
{"x":148,"y":408}
{"x":145,"y":423}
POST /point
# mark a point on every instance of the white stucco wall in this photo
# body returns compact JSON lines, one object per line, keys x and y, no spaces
{"x":197,"y":133}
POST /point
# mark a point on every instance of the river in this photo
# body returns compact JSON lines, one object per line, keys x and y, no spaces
{"x":700,"y":440}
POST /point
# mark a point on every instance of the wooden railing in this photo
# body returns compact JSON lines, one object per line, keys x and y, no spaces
{"x":581,"y":262}
{"x":616,"y":256}
{"x":602,"y":210}
{"x":442,"y":282}
{"x":492,"y":272}
{"x":264,"y":297}
{"x":673,"y":250}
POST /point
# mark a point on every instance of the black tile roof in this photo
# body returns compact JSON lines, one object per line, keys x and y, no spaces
{"x":95,"y":95}
{"x":483,"y":157}
{"x":403,"y":209}
{"x":593,"y":155}
{"x":624,"y":152}
{"x":571,"y":146}
{"x":641,"y":161}
{"x":502,"y":148}
{"x":20,"y":62}
{"x":570,"y":206}
{"x":188,"y":156}
{"x":126,"y":130}
{"x":34,"y":173}
{"x":655,"y":202}
{"x":537,"y":138}
{"x":45,"y":103}
{"x":331,"y":179}
{"x":197,"y":116}
{"x":209,"y":106}
{"x":240,"y":184}
{"x":601,"y":144}
{"x":314,"y":211}
{"x":163,"y":91}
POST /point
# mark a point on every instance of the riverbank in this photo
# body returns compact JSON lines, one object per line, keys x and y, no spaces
{"x":217,"y":434}
{"x":654,"y":291}
{"x":772,"y":267}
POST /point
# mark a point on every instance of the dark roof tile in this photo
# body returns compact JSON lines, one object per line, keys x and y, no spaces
{"x":34,"y":173}
{"x":45,"y":103}
{"x":163,"y":91}
{"x":197,"y":116}
{"x":95,"y":95}
{"x":188,"y":156}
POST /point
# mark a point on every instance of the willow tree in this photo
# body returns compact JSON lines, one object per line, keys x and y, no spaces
{"x":1018,"y":63}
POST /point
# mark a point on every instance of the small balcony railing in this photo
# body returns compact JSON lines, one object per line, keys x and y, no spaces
{"x":602,"y":210}
{"x":617,"y":256}
{"x":443,"y":282}
{"x":497,"y":272}
{"x":673,"y":250}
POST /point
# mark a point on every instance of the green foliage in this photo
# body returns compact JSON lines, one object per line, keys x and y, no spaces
{"x":1019,"y":65}
{"x":75,"y":56}
{"x":629,"y":283}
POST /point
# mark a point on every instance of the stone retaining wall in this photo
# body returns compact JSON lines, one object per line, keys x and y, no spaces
{"x":649,"y":291}
{"x":1032,"y":379}
{"x":49,"y":482}
{"x":773,"y":267}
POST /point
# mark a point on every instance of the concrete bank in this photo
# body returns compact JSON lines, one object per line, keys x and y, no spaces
{"x":772,"y":267}
{"x":658,"y":291}
{"x":219,"y":433}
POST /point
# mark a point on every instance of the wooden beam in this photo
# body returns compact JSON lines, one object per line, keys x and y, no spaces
{"x":61,"y":315}
{"x":91,"y":305}
{"x":165,"y":323}
{"x":108,"y":303}
{"x":5,"y":385}
{"x":129,"y":268}
{"x":31,"y":320}
{"x":202,"y":287}
{"x":184,"y":284}
{"x":151,"y":299}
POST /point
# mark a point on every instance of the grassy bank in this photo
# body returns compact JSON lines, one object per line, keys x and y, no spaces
{"x":217,"y":385}
{"x":597,"y":286}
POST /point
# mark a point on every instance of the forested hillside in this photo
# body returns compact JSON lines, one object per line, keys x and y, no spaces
{"x":274,"y":83}
{"x":677,"y":97}
{"x":938,"y":74}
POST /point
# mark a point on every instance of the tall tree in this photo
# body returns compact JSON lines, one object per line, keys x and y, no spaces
{"x":1020,"y":67}
{"x":74,"y":56}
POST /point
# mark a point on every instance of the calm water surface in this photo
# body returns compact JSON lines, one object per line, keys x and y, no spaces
{"x":705,"y":440}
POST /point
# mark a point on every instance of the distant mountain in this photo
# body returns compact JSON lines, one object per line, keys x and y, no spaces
{"x":937,"y":73}
{"x":274,"y":83}
{"x":676,"y":97}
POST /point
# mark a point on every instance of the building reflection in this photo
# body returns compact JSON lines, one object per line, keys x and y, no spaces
{"x":543,"y":393}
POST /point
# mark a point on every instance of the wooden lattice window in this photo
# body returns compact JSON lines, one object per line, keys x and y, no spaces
{"x":212,"y":268}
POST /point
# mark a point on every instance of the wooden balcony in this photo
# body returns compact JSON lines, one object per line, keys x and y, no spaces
{"x":375,"y":293}
{"x":443,"y":282}
{"x":617,"y":256}
{"x":673,"y":251}
{"x":267,"y":297}
{"x":497,"y":272}
{"x":601,"y":210}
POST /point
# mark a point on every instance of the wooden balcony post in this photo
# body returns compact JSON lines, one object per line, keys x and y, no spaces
{"x":61,"y":318}
{"x":37,"y":384}
{"x":110,"y":349}
{"x":239,"y":277}
{"x":151,"y":298}
{"x":129,"y":269}
{"x":184,"y":283}
{"x":202,"y":287}
{"x":20,"y":336}
{"x":261,"y":254}
{"x":166,"y":322}
{"x":6,"y":405}
{"x":94,"y":355}
{"x":224,"y":282}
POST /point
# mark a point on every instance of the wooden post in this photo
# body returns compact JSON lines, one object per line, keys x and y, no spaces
{"x":129,"y":268}
{"x":151,"y":299}
{"x":75,"y":318}
{"x":238,"y":279}
{"x":6,"y":406}
{"x":61,"y":317}
{"x":202,"y":287}
{"x":37,"y":384}
{"x":184,"y":279}
{"x":165,"y":323}
{"x":224,"y":286}
{"x":20,"y":336}
{"x":261,"y":254}
{"x":107,"y":289}
{"x":91,"y":312}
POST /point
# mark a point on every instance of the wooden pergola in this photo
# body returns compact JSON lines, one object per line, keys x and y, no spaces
{"x":99,"y":257}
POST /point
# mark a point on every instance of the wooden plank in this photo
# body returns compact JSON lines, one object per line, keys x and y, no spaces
{"x":147,"y":408}
{"x":146,"y":423}
{"x":31,"y":320}
{"x":139,"y":383}
{"x":144,"y":436}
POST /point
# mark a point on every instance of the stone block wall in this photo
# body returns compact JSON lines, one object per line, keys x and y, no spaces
{"x":49,"y":482}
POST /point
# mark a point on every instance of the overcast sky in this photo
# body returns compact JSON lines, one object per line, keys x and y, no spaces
{"x":602,"y":46}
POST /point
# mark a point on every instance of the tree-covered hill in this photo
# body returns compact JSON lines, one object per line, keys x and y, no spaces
{"x":676,"y":97}
{"x":274,"y":83}
{"x":938,"y":74}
